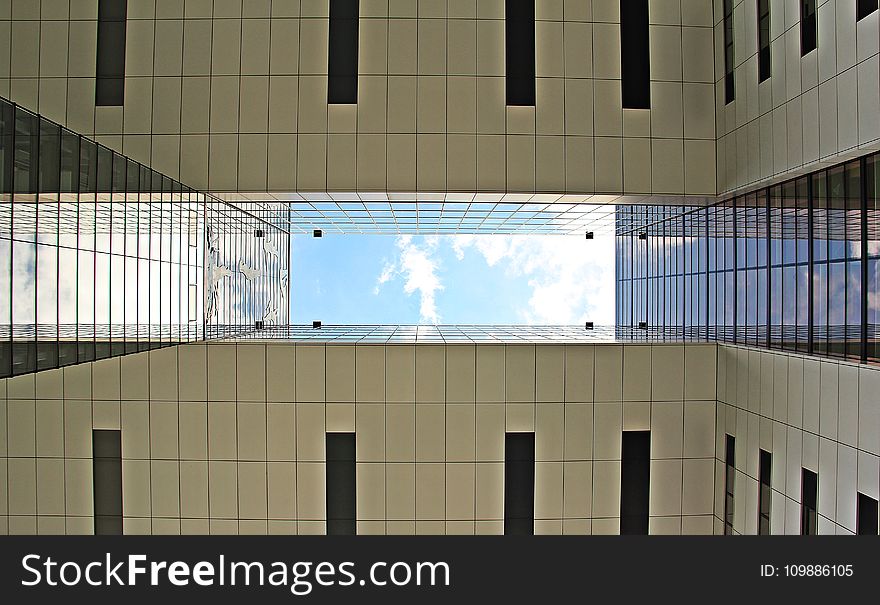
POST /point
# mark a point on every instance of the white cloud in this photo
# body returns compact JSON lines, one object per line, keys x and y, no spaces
{"x":417,"y":264}
{"x":493,"y":247}
{"x":419,"y":267}
{"x":388,"y":273}
{"x":571,"y":279}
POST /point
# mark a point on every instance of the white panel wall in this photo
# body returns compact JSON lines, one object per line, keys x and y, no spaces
{"x":822,"y":415}
{"x":818,"y":109}
{"x":234,"y":441}
{"x":231,"y":95}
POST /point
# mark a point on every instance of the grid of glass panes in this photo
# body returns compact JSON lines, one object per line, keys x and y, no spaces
{"x":795,"y":266}
{"x":103,"y":255}
{"x":532,"y":216}
{"x":249,"y":259}
{"x":751,"y":268}
{"x":660,"y":271}
{"x":441,"y":334}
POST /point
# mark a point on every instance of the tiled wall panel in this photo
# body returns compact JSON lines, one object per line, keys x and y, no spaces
{"x":229,"y":438}
{"x":820,"y":108}
{"x":817,"y":414}
{"x":232,"y":96}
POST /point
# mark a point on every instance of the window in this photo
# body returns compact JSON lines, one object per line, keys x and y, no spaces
{"x":764,"y":494}
{"x":519,"y":484}
{"x":808,"y":26}
{"x":793,"y":266}
{"x":7,"y":127}
{"x":110,"y":69}
{"x":635,"y":58}
{"x":342,"y":62}
{"x":25,"y":170}
{"x":107,"y":479}
{"x":871,"y":245}
{"x":729,"y":91}
{"x":519,"y":25}
{"x":866,"y":515}
{"x":763,"y":40}
{"x":729,"y":477}
{"x":809,"y":496}
{"x":635,"y":480}
{"x":341,"y":480}
{"x":865,"y":8}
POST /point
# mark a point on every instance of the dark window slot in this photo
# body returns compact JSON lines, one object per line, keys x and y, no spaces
{"x":519,"y":484}
{"x":729,"y":481}
{"x":764,"y":67}
{"x":342,"y":62}
{"x":808,"y":26}
{"x":519,"y":26}
{"x":865,"y":8}
{"x":635,"y":58}
{"x":764,"y":493}
{"x":107,"y":480}
{"x":110,"y":68}
{"x":866,"y":513}
{"x":729,"y":58}
{"x":341,"y":484}
{"x":635,"y":482}
{"x":809,"y":496}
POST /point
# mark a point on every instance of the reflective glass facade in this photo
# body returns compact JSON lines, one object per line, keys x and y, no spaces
{"x":451,"y":213}
{"x":104,"y":256}
{"x":439,"y":334}
{"x":795,"y":266}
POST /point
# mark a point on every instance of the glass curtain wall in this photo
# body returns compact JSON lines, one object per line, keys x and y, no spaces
{"x":246,"y":268}
{"x":104,"y":256}
{"x":795,"y":266}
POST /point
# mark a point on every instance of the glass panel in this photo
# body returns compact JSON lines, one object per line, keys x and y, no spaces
{"x":7,"y":129}
{"x":794,"y":266}
{"x":27,"y":136}
{"x":105,"y":256}
{"x":5,"y":293}
{"x":70,"y":162}
{"x":50,"y":157}
{"x":47,"y":306}
{"x":872,"y":246}
{"x":24,"y":312}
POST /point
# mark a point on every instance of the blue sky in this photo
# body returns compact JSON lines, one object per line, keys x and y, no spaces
{"x":461,"y":279}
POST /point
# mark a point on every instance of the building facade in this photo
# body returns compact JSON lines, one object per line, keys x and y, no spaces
{"x":157,"y":156}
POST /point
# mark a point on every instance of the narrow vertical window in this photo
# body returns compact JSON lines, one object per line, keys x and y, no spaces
{"x":729,"y":478}
{"x":635,"y":482}
{"x":107,"y":480}
{"x":519,"y":28}
{"x":729,"y":91}
{"x":763,"y":40}
{"x":866,"y":514}
{"x":342,"y":63}
{"x":764,"y":493}
{"x":809,"y":496}
{"x":110,"y":69}
{"x":341,"y":481}
{"x":808,"y":26}
{"x":635,"y":70}
{"x":519,"y":484}
{"x":865,"y":8}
